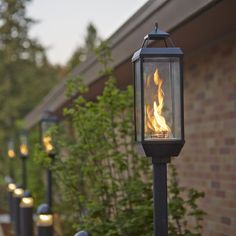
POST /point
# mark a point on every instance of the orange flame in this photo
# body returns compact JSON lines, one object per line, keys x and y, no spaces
{"x":47,"y":140}
{"x":155,"y":125}
{"x":11,"y":153}
{"x":24,"y":149}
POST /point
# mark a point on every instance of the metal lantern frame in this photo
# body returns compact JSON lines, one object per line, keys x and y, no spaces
{"x":23,"y":140}
{"x":164,"y":147}
{"x":24,"y":155}
{"x":44,"y":220}
{"x":48,"y":119}
{"x":157,"y":141}
{"x":11,"y":152}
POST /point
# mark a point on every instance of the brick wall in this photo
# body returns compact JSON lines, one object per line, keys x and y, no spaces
{"x":208,"y":160}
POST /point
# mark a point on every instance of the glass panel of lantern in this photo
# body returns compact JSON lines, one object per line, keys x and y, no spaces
{"x":162,"y":94}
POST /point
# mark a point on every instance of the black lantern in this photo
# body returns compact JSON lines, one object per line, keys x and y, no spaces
{"x":12,"y":156}
{"x":158,"y":112}
{"x":24,"y":154}
{"x":11,"y":149}
{"x":44,"y":220}
{"x":24,"y":147}
{"x":17,"y":195}
{"x":158,"y":89}
{"x":48,"y":121}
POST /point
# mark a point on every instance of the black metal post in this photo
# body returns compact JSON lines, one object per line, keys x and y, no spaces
{"x":24,"y":173}
{"x":44,"y":221}
{"x":10,"y":202}
{"x":16,"y":215}
{"x":45,"y":230}
{"x":26,"y":214}
{"x":49,"y":188}
{"x":160,"y":197}
{"x":12,"y":171}
{"x":26,"y":221}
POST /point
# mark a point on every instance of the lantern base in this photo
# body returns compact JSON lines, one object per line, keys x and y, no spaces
{"x":160,"y":150}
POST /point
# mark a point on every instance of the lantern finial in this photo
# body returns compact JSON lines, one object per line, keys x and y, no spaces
{"x":156,"y":26}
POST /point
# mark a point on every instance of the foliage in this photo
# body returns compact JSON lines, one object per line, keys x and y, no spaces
{"x":90,"y":43}
{"x":104,"y":186}
{"x":182,"y":210}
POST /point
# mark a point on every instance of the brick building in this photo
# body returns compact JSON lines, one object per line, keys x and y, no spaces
{"x":206,"y":30}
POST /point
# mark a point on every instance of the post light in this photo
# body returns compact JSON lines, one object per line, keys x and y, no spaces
{"x":82,"y":233}
{"x":11,"y":155}
{"x":26,"y":214}
{"x":158,"y":112}
{"x":17,"y":195}
{"x":24,"y":154}
{"x":11,"y":186}
{"x":44,"y":220}
{"x":48,"y":121}
{"x":11,"y":150}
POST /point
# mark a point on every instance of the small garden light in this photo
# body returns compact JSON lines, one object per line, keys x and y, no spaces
{"x":18,"y":192}
{"x":27,"y":200}
{"x":44,"y":220}
{"x":82,"y":233}
{"x":11,"y":186}
{"x":26,"y":214}
{"x":17,"y":195}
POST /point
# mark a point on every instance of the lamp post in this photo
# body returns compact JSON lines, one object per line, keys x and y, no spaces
{"x":17,"y":195}
{"x":24,"y":154}
{"x":11,"y":186}
{"x":158,"y":112}
{"x":44,"y":221}
{"x":26,"y":214}
{"x":48,"y":121}
{"x":11,"y":155}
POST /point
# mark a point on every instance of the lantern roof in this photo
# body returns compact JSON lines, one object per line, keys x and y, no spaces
{"x":156,"y":52}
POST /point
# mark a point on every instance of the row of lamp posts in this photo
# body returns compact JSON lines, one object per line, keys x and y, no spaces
{"x":20,"y":200}
{"x":159,"y":128}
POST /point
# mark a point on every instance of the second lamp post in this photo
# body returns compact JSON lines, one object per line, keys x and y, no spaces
{"x":47,"y":123}
{"x":24,"y":154}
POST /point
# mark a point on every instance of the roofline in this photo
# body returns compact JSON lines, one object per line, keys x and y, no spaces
{"x":124,"y":41}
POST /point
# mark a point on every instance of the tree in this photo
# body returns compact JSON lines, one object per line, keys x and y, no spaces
{"x":25,"y":73}
{"x":91,"y":41}
{"x":103,"y":185}
{"x":24,"y":65}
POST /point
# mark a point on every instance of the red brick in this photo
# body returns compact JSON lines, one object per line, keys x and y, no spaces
{"x":225,"y":220}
